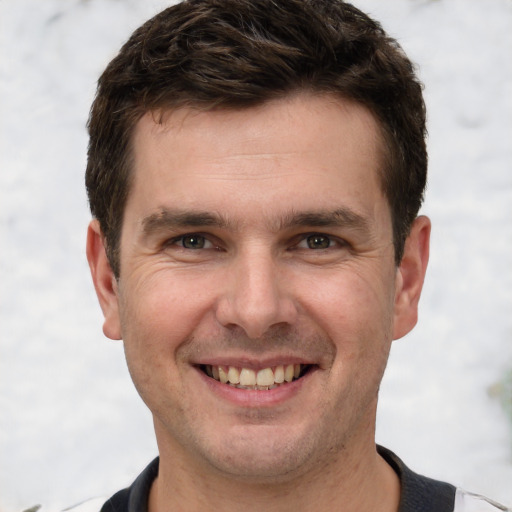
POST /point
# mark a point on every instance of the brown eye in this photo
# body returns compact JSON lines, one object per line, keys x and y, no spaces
{"x":193,"y":242}
{"x":318,"y":242}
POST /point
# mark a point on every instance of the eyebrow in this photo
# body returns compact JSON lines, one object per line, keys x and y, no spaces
{"x":166,"y":219}
{"x":345,"y":217}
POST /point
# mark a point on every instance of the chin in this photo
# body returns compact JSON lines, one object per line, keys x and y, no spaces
{"x":265,"y":455}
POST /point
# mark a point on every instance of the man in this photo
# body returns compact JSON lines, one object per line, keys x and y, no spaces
{"x":255,"y":173}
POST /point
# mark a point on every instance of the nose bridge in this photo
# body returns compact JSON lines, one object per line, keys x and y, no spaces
{"x":255,"y":297}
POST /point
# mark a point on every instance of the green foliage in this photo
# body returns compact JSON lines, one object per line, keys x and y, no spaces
{"x":502,"y":391}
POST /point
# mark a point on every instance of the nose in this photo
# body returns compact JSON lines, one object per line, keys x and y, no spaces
{"x":255,"y":296}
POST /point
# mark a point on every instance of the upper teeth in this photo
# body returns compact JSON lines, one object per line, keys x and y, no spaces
{"x":246,"y":377}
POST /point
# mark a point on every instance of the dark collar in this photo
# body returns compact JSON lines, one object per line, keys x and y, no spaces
{"x":418,"y":493}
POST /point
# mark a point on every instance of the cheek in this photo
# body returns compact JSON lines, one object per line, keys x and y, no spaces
{"x":166,"y":302}
{"x":159,"y":315}
{"x":354,"y":305}
{"x":355,"y":311}
{"x":155,"y":322}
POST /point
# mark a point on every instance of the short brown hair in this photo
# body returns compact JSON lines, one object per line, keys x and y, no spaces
{"x":241,"y":53}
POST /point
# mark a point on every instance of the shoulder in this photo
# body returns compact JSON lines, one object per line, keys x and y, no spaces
{"x":469,"y":502}
{"x":134,"y":497}
{"x":92,"y":505}
{"x":117,"y":503}
{"x":420,"y":493}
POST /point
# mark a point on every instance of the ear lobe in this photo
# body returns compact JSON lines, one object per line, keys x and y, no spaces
{"x":410,"y":277}
{"x":104,"y":281}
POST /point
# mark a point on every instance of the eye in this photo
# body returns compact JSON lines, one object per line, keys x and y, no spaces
{"x":318,"y":242}
{"x":193,"y":241}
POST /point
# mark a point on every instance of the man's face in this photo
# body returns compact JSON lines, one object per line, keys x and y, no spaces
{"x":253,"y":242}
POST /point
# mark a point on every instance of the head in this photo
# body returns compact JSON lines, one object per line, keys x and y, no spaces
{"x":255,"y":170}
{"x":238,"y":54}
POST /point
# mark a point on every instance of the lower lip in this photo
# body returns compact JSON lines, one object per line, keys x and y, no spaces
{"x":256,"y":398}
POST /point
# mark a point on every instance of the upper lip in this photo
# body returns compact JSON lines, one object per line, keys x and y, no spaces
{"x":253,"y":363}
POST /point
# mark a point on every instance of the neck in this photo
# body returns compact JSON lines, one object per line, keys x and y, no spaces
{"x":358,"y":480}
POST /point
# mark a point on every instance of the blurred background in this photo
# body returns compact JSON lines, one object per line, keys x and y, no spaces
{"x":71,"y":425}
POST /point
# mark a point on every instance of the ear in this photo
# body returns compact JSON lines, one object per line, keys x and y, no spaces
{"x":104,"y":281}
{"x":410,"y":276}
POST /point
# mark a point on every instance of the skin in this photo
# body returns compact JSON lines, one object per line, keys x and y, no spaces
{"x":252,"y":288}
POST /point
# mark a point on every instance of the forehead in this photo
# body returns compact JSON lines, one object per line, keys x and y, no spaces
{"x":317,"y":109}
{"x":305,"y":145}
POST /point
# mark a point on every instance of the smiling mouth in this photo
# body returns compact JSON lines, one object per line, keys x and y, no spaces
{"x":260,"y":380}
